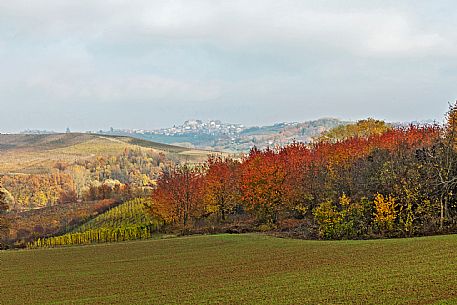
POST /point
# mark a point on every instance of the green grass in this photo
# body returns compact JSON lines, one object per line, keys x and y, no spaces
{"x":235,"y":269}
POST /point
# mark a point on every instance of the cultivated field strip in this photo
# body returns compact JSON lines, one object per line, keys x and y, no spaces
{"x":235,"y":269}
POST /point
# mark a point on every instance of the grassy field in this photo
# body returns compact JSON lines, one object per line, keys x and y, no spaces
{"x":235,"y":269}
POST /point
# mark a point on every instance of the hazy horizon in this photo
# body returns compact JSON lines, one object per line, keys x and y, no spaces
{"x":63,"y":129}
{"x":91,"y":65}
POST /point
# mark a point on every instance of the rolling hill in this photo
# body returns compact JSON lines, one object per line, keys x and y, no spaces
{"x":35,"y":154}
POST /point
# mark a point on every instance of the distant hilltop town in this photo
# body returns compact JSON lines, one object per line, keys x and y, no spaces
{"x":217,"y":135}
{"x":212,"y":127}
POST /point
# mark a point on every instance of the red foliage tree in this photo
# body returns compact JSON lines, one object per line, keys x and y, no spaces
{"x":178,"y":197}
{"x":262,"y":181}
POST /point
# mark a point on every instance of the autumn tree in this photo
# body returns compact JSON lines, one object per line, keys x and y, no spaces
{"x":361,"y":129}
{"x":446,"y":167}
{"x":441,"y":159}
{"x":344,"y":219}
{"x":385,"y":214}
{"x":300,"y":178}
{"x":221,"y":186}
{"x":262,"y":184}
{"x":178,"y":197}
{"x":39,"y":190}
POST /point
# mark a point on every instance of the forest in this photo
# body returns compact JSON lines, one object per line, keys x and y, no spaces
{"x":368,"y":180}
{"x":120,"y":177}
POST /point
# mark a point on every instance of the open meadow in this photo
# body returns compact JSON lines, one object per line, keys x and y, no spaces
{"x":235,"y":269}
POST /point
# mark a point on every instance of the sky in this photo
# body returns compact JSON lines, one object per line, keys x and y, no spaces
{"x":95,"y":64}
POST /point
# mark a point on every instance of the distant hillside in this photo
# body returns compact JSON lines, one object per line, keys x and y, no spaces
{"x":285,"y":133}
{"x":215,"y":135}
{"x":44,"y":170}
{"x":37,"y":153}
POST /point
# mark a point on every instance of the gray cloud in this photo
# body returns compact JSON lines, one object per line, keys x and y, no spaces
{"x":89,"y":64}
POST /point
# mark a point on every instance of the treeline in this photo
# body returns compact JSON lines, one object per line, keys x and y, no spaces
{"x":34,"y":191}
{"x":398,"y":182}
{"x":128,"y":221}
{"x":135,"y":167}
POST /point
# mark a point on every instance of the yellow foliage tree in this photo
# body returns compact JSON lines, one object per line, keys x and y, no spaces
{"x":361,"y":129}
{"x":336,"y":222}
{"x":40,"y":199}
{"x":385,"y":214}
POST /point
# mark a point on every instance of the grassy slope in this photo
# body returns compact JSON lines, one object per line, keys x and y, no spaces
{"x":38,"y":153}
{"x":235,"y":269}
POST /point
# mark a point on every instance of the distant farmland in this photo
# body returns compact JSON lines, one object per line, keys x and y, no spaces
{"x":235,"y":269}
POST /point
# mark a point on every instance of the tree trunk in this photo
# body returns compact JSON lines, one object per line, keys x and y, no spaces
{"x":441,"y":214}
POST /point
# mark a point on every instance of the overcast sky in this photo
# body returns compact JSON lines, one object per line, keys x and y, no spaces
{"x":91,"y":64}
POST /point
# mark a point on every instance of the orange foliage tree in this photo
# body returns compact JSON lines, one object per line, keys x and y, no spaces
{"x":262,"y":184}
{"x":221,"y":186}
{"x":178,"y":197}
